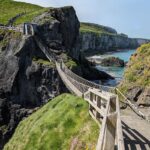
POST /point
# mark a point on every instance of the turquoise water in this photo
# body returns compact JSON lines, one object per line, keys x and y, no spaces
{"x":124,"y":55}
{"x":116,"y":72}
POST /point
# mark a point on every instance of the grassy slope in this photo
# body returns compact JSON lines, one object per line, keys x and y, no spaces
{"x":9,"y":9}
{"x":138,"y":70}
{"x":84,"y":27}
{"x":55,"y":126}
{"x":98,"y":30}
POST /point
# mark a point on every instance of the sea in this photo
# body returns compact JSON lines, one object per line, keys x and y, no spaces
{"x":116,"y":72}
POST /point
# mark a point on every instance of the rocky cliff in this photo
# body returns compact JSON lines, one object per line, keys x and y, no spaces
{"x":136,"y":82}
{"x":98,"y":39}
{"x":27,"y":79}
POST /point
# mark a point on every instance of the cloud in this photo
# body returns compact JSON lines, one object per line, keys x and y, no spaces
{"x":127,"y":16}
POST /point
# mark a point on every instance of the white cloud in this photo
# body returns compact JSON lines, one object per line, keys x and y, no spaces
{"x":126,"y":16}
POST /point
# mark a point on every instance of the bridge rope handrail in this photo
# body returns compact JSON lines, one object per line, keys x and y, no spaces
{"x":84,"y":81}
{"x":83,"y":87}
{"x":132,"y":106}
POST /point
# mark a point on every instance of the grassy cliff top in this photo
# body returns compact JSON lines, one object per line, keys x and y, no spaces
{"x":9,"y":9}
{"x":138,"y":70}
{"x":98,"y":29}
{"x":62,"y":123}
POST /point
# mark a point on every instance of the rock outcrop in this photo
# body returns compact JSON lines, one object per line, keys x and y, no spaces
{"x":28,"y":79}
{"x":112,"y":61}
{"x":136,"y":82}
{"x":59,"y":28}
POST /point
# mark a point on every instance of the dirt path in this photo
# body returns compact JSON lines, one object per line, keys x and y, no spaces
{"x":136,"y":131}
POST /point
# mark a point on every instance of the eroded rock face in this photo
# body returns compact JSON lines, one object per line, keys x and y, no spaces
{"x":134,"y":93}
{"x":144,"y":98}
{"x":139,"y":95}
{"x":91,"y":41}
{"x":8,"y":71}
{"x":25,"y":82}
{"x":59,"y":28}
{"x":10,"y":116}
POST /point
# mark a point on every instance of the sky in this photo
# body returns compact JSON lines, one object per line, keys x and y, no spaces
{"x":126,"y":16}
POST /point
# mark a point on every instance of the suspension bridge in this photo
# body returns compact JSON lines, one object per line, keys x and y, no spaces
{"x":119,"y":130}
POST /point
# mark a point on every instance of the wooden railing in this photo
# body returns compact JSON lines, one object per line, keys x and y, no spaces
{"x":134,"y":107}
{"x":104,"y":108}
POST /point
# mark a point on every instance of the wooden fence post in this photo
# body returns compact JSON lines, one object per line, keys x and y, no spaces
{"x":98,"y":102}
{"x":113,"y":104}
{"x":110,"y":133}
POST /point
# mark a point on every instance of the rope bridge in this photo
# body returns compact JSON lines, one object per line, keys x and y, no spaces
{"x":103,"y":107}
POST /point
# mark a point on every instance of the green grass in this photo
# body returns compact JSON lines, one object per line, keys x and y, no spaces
{"x":91,"y":28}
{"x":55,"y":126}
{"x":138,"y":71}
{"x":43,"y":62}
{"x":98,"y":30}
{"x":139,"y":67}
{"x":69,"y":62}
{"x":29,"y":16}
{"x":9,"y":9}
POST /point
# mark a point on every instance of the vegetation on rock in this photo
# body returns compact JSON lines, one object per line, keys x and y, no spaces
{"x":138,"y":69}
{"x":61,"y":124}
{"x":112,"y":61}
{"x":137,"y":76}
{"x":6,"y":36}
{"x":69,"y":62}
{"x":43,"y":62}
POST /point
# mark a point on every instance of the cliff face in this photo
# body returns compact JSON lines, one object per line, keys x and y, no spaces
{"x":104,"y":43}
{"x":136,"y":82}
{"x":27,"y":78}
{"x":63,"y":29}
{"x":96,"y":39}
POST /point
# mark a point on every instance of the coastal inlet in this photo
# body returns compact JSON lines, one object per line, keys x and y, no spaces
{"x":115,"y":68}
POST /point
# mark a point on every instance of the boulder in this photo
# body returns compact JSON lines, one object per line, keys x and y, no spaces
{"x":112,"y":61}
{"x":91,"y":73}
{"x":134,"y":93}
{"x":144,"y":98}
{"x":27,"y":78}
